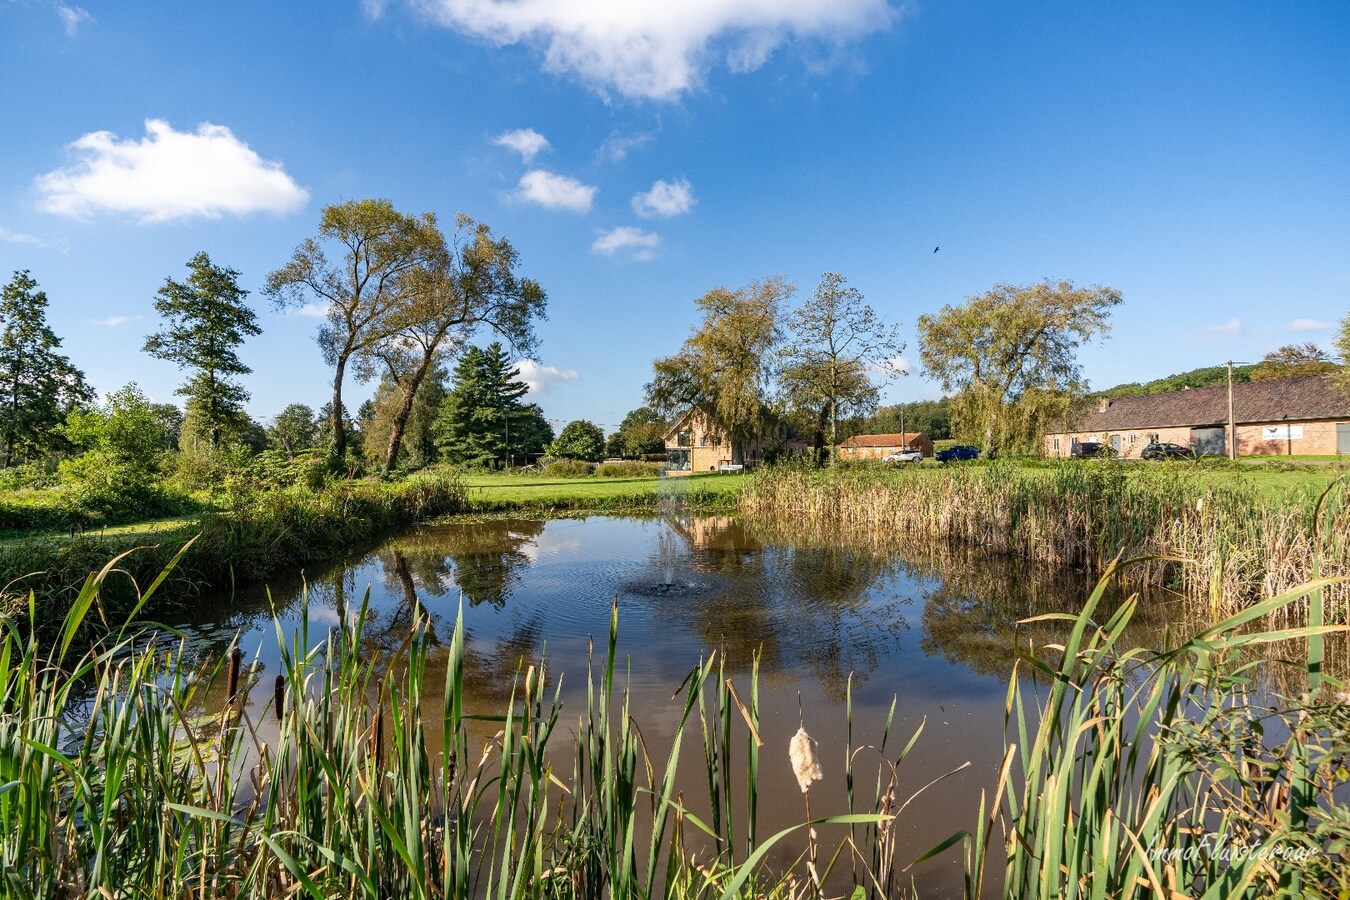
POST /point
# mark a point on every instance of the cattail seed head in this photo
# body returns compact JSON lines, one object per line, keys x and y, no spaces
{"x":805,"y":765}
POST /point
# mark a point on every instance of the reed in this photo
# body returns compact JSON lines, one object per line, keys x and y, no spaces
{"x":126,"y":769}
{"x":1221,"y":544}
{"x":1133,"y":773}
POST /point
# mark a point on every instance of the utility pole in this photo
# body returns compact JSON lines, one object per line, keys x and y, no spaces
{"x":1232,"y":427}
{"x":507,"y":415}
{"x":904,"y":441}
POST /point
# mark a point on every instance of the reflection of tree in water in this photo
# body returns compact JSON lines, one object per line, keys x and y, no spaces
{"x":484,"y":560}
{"x":803,"y":606}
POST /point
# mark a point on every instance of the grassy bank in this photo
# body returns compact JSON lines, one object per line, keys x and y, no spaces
{"x":252,"y":536}
{"x":1224,"y":542}
{"x":491,"y":492}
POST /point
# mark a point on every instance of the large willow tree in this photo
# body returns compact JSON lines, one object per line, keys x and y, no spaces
{"x":724,"y":367}
{"x":1009,"y":357}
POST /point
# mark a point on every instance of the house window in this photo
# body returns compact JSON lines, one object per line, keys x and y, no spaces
{"x":703,"y":439}
{"x":1054,"y":444}
{"x":684,"y":439}
{"x":1132,"y":438}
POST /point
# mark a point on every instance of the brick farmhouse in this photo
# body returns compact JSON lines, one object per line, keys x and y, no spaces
{"x":875,"y":446}
{"x":693,"y":444}
{"x":1300,"y":416}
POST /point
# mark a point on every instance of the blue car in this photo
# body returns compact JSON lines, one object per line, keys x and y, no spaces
{"x":960,"y":451}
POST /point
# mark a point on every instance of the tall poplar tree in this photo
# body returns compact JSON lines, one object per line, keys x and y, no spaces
{"x":205,"y":321}
{"x":38,"y":385}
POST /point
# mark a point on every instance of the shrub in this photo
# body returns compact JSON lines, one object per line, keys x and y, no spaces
{"x":569,"y":468}
{"x":629,"y":469}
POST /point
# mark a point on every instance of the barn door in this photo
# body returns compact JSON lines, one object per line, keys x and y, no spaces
{"x":1115,"y":444}
{"x":1343,"y":437}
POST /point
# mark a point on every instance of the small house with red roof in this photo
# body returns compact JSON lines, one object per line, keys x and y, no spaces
{"x":875,"y":446}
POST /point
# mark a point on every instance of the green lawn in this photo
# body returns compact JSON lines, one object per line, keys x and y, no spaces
{"x":499,"y":491}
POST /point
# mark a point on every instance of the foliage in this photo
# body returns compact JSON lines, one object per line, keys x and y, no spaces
{"x":473,"y":286}
{"x":205,"y":320}
{"x":38,"y":385}
{"x":1208,"y":376}
{"x":475,"y":420}
{"x":365,"y":292}
{"x":837,"y":342}
{"x":629,"y":469}
{"x":1009,"y":357}
{"x":1294,"y":359}
{"x":569,"y":468}
{"x":121,"y":446}
{"x":579,"y":440}
{"x":1342,"y":345}
{"x":641,"y":432}
{"x":418,"y":436}
{"x":294,"y":430}
{"x":724,"y":367}
{"x":932,"y":418}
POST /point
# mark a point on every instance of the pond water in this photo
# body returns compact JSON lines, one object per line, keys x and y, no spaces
{"x":933,"y":630}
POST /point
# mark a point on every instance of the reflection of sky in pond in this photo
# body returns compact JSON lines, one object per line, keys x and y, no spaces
{"x":935,"y":633}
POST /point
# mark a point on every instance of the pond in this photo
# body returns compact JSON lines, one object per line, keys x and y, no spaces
{"x":928,"y":628}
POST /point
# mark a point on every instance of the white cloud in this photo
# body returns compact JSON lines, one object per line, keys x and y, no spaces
{"x":665,"y":199}
{"x":895,"y":366}
{"x":1309,"y":325}
{"x":618,"y":146}
{"x":525,"y":141}
{"x":1232,"y":328}
{"x":311,"y":310}
{"x":72,"y":17}
{"x":554,"y":191}
{"x":15,"y":237}
{"x":542,"y":378}
{"x":112,"y":321}
{"x":634,"y":242}
{"x":168,"y":175}
{"x":656,"y":49}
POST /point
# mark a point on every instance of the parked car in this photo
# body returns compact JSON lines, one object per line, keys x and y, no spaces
{"x":1167,"y":451}
{"x":960,"y":451}
{"x":1092,"y":450}
{"x":903,"y":456}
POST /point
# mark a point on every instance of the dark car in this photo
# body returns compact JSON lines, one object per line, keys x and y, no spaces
{"x":1092,"y":450}
{"x":1167,"y":451}
{"x":960,"y":451}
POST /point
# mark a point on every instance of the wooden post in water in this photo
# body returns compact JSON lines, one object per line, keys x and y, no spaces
{"x":279,"y":696}
{"x":377,"y":738}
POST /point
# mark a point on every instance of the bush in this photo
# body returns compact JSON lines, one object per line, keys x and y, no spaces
{"x":629,"y":469}
{"x":569,"y":468}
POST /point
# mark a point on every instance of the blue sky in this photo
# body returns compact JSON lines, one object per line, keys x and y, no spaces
{"x":1194,"y":156}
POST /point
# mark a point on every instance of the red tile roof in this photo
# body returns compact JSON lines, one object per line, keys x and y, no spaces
{"x":882,"y":440}
{"x":1303,"y":398}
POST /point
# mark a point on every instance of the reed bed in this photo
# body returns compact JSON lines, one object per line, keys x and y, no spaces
{"x":1222,"y":545}
{"x":1132,"y":773}
{"x":126,"y":769}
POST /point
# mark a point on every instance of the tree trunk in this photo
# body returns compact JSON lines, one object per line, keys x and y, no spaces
{"x":339,"y":448}
{"x":405,"y":408}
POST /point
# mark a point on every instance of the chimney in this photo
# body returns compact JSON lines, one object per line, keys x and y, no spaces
{"x":1103,"y":404}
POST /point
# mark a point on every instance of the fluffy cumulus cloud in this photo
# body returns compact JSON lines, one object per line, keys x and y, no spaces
{"x":627,"y":241}
{"x":656,"y":49}
{"x":553,"y":191}
{"x":1309,"y":325}
{"x":168,"y":175}
{"x":665,"y":199}
{"x":525,"y":141}
{"x":542,"y":378}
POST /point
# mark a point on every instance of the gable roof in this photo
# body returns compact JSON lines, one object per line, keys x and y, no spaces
{"x":1301,"y":398}
{"x":882,"y":440}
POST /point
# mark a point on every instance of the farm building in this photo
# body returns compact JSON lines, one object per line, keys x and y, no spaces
{"x":693,"y":444}
{"x":875,"y":446}
{"x":1301,"y":416}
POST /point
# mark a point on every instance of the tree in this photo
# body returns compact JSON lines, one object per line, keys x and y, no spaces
{"x":530,"y":431}
{"x":205,"y":320}
{"x":121,"y":447}
{"x":294,"y":429}
{"x":1342,"y":345}
{"x":724,"y":367}
{"x":416,"y":434}
{"x":38,"y":385}
{"x":364,"y":293}
{"x":641,"y":432}
{"x":474,"y":424}
{"x":475,"y":285}
{"x":1294,"y":359}
{"x":837,"y":342}
{"x":579,"y":440}
{"x":928,"y":417}
{"x":1009,"y":356}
